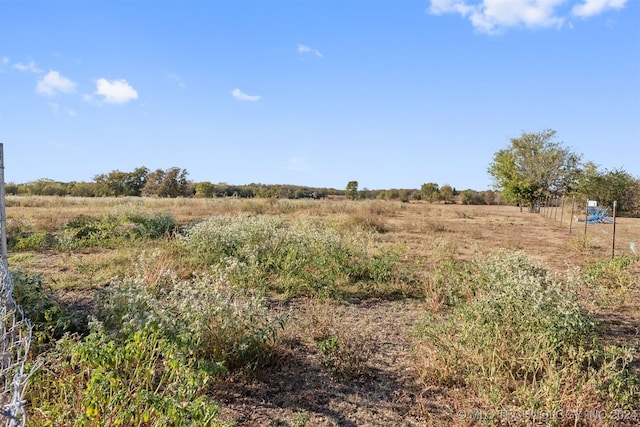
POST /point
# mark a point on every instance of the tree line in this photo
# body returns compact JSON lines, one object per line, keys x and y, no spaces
{"x":172,"y":183}
{"x":531,"y":169}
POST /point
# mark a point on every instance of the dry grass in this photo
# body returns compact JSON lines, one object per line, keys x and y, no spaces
{"x":383,"y":386}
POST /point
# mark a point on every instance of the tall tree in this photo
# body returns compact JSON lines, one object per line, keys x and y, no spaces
{"x":170,"y":183}
{"x":352,"y":190}
{"x":534,"y":166}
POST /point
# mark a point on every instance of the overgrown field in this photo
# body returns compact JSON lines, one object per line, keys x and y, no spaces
{"x":194,"y":312}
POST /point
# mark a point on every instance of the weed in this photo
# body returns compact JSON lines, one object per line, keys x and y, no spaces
{"x":49,"y":316}
{"x":344,"y":349}
{"x":36,"y":241}
{"x":609,"y":281}
{"x":154,"y":227}
{"x":583,"y":244}
{"x":523,"y":341}
{"x":224,"y":327}
{"x":300,"y":258}
{"x":140,"y":380}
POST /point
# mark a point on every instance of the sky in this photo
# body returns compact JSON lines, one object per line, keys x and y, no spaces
{"x":389,"y":93}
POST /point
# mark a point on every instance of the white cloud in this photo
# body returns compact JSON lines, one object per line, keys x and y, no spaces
{"x":241,"y":96}
{"x":493,"y":16}
{"x":178,"y":80}
{"x":31,"y":66}
{"x":6,"y":60}
{"x":590,"y":8}
{"x":53,"y":83}
{"x":303,"y":49}
{"x":114,"y":91}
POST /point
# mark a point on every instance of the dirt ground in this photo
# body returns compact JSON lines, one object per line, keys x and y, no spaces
{"x":296,"y":389}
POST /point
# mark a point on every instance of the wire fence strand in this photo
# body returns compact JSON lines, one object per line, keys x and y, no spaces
{"x":15,"y":338}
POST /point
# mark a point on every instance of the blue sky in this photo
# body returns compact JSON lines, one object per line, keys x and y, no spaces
{"x":392,"y":94}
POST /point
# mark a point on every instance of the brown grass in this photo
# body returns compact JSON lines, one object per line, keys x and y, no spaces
{"x":385,"y":388}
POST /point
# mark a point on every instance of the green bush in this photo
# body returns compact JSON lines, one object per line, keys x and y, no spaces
{"x":296,"y":258}
{"x":224,"y":327}
{"x":36,"y":241}
{"x":142,"y":379}
{"x":49,"y":316}
{"x":154,"y":227}
{"x":151,"y":353}
{"x":522,"y":341}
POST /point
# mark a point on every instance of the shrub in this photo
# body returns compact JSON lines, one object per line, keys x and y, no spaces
{"x":154,"y":227}
{"x":142,"y":379}
{"x":224,"y":327}
{"x":49,"y":316}
{"x":523,"y":341}
{"x":85,"y":231}
{"x":609,"y":281}
{"x":151,"y":353}
{"x":297,"y":258}
{"x":36,"y":241}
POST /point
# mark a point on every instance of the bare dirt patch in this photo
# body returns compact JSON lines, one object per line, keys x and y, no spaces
{"x":296,"y":385}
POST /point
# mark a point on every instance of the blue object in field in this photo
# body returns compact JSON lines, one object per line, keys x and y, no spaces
{"x":596,"y":216}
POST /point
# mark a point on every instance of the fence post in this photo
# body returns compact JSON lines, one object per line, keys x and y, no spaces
{"x":562,"y":211}
{"x":573,"y":206}
{"x":586,"y":220}
{"x":3,"y":217}
{"x":613,"y":241}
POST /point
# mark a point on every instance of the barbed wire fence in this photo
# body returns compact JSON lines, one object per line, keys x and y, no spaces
{"x":15,"y":334}
{"x":588,"y":221}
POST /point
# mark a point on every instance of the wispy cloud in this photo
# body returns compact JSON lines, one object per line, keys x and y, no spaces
{"x":494,"y":16}
{"x":303,"y":49}
{"x":6,"y":60}
{"x":241,"y":96}
{"x":588,"y":8}
{"x":53,"y":83}
{"x":31,"y":66}
{"x":297,"y":164}
{"x":114,"y":91}
{"x":178,"y":80}
{"x":57,"y":109}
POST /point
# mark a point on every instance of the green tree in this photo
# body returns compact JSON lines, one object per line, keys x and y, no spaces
{"x":534,"y":166}
{"x":47,"y":187}
{"x":352,"y":190}
{"x":83,"y":189}
{"x":205,"y":189}
{"x":170,"y":183}
{"x":608,"y":186}
{"x":430,"y":191}
{"x":135,"y":181}
{"x":118,"y":183}
{"x":446,"y":193}
{"x":11,"y":188}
